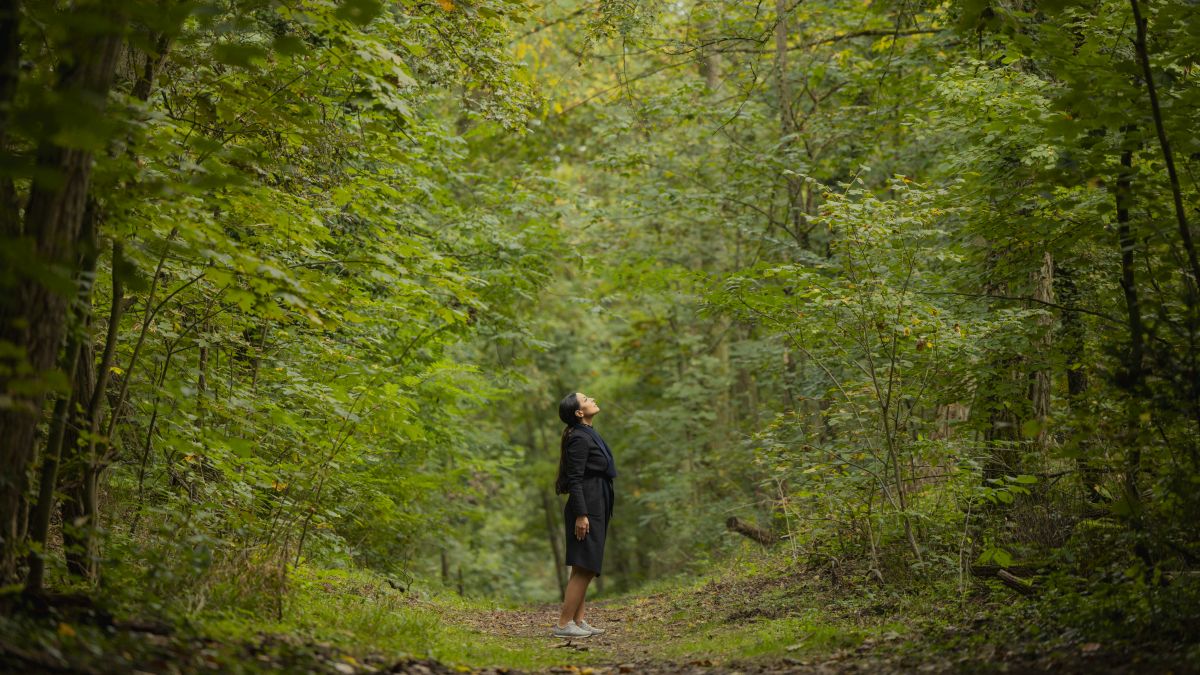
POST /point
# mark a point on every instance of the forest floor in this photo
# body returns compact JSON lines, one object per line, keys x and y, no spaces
{"x":788,"y":621}
{"x":756,"y":619}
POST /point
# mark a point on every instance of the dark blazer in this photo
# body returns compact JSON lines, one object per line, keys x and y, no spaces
{"x":585,"y":466}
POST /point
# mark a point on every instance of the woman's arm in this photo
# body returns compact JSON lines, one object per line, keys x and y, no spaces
{"x":577,"y":453}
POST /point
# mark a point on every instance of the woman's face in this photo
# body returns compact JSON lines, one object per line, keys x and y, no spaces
{"x":587,"y":405}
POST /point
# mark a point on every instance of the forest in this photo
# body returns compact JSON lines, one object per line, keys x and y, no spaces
{"x":891,"y":308}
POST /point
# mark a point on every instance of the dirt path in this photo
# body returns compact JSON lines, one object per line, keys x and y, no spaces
{"x":747,"y":627}
{"x":619,"y":644}
{"x":640,"y":634}
{"x":635,"y":635}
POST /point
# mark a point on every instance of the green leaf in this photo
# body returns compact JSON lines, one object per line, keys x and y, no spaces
{"x":240,"y":55}
{"x":360,"y":12}
{"x":288,"y":45}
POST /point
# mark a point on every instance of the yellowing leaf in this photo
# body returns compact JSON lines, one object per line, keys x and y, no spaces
{"x":65,"y":630}
{"x":447,"y":5}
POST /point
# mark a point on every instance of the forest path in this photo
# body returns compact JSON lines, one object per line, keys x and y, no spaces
{"x":621,"y":644}
{"x":784,"y":621}
{"x":720,"y":628}
{"x":771,"y":622}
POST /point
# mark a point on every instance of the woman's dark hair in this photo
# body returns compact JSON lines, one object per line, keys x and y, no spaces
{"x":566,"y":412}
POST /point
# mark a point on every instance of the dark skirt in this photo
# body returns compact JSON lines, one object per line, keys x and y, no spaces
{"x":588,"y":553}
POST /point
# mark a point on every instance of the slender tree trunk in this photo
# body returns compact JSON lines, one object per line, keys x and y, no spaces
{"x":710,"y":62}
{"x":148,"y":445}
{"x":555,"y":534}
{"x":787,"y":123}
{"x":256,"y":364}
{"x":1135,"y":356}
{"x":1039,"y":379}
{"x":540,"y":447}
{"x":74,"y":474}
{"x":1133,"y":377}
{"x":33,"y":314}
{"x":1185,"y":232}
{"x":10,"y":73}
{"x":84,"y":504}
{"x":783,"y":88}
{"x":1073,"y":343}
{"x":88,"y":464}
{"x":998,"y":391}
{"x":39,"y":527}
{"x":40,"y":517}
{"x":1192,"y":275}
{"x":789,"y":378}
{"x":201,"y":377}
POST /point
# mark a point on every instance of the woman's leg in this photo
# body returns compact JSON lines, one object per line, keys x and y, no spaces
{"x":579,"y":612}
{"x":573,"y":597}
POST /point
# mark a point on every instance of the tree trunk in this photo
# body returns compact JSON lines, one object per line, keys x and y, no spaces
{"x":83,"y":473}
{"x":1039,"y":379}
{"x":1072,"y":341}
{"x":1185,"y":232}
{"x":83,"y":506}
{"x":539,"y":447}
{"x":1192,"y":274}
{"x":750,"y":530}
{"x":76,"y":544}
{"x":710,"y":63}
{"x":1000,"y":388}
{"x":33,"y":314}
{"x":794,"y":214}
{"x":1134,"y":375}
{"x":63,"y":407}
{"x":555,"y":535}
{"x":10,"y":73}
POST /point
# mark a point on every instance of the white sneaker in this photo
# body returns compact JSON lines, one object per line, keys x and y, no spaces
{"x":589,"y":628}
{"x":570,"y":630}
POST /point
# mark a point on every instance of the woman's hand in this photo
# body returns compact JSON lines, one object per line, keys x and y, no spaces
{"x":581,"y":527}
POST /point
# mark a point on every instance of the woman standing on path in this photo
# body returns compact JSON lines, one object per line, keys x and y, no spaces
{"x":585,"y":473}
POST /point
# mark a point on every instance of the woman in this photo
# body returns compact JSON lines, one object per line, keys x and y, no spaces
{"x":585,"y":473}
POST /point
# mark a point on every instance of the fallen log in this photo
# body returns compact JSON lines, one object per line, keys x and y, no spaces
{"x":993,"y":570}
{"x":1014,"y":582}
{"x":748,"y":529}
{"x":138,"y":626}
{"x":1006,"y":576}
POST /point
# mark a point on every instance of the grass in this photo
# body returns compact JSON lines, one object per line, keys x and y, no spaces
{"x":747,"y":610}
{"x":761,"y":639}
{"x":360,"y":614}
{"x":762,"y":610}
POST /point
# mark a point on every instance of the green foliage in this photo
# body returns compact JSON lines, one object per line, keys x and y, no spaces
{"x":908,"y":286}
